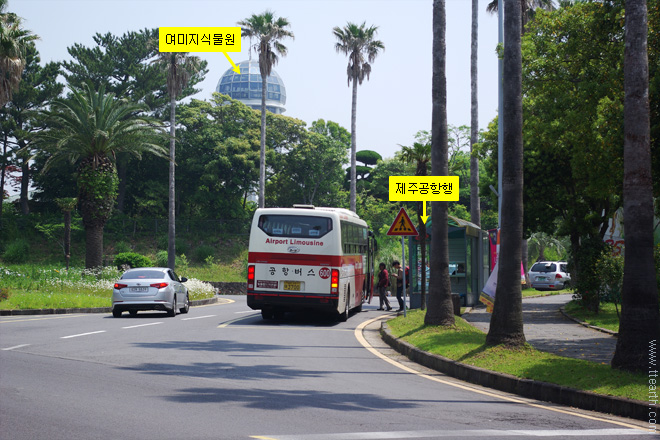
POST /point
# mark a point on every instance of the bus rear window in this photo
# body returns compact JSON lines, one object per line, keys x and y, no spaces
{"x":295,"y":225}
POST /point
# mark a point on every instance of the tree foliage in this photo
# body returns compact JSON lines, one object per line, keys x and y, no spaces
{"x":14,"y":40}
{"x":310,"y":171}
{"x":20,"y":120}
{"x":122,"y":64}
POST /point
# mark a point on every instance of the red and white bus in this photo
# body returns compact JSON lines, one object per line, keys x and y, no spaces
{"x":308,"y":257}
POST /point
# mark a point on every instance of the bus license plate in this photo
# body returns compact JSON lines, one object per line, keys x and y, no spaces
{"x":292,"y":285}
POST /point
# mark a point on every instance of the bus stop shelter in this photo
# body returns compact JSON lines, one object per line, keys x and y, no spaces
{"x":469,"y":261}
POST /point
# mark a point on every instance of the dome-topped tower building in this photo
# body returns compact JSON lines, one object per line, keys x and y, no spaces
{"x":246,"y":87}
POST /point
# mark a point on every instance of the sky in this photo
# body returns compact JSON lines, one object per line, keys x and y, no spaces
{"x":393,"y":105}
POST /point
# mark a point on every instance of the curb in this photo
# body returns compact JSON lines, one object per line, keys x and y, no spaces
{"x":544,"y":391}
{"x":25,"y":312}
{"x":586,"y":324}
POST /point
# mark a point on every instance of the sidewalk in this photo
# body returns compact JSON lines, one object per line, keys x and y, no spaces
{"x":546,"y":329}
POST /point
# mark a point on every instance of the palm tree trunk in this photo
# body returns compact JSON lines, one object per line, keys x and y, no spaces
{"x":506,"y":323}
{"x":422,"y":235}
{"x":171,"y":228}
{"x":94,"y":245}
{"x":353,"y":194}
{"x":475,"y":202}
{"x":525,"y":258}
{"x":67,"y":238}
{"x":640,"y":325}
{"x":122,"y":172}
{"x":262,"y":154}
{"x":440,"y":309}
{"x":2,"y":175}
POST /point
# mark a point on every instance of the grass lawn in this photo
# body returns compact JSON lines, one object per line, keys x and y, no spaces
{"x":533,"y":292}
{"x":605,"y":318}
{"x":466,"y":344}
{"x":48,"y":287}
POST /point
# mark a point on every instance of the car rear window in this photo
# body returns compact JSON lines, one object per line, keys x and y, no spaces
{"x":544,"y":267}
{"x":143,"y":274}
{"x":303,"y":226}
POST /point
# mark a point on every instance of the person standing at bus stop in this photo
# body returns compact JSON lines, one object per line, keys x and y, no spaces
{"x":383,"y":282}
{"x":398,"y":271}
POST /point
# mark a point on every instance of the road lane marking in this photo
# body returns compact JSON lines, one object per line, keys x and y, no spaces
{"x":599,"y":433}
{"x":198,"y":317}
{"x":361,"y":339}
{"x":39,"y":319}
{"x":15,"y":347}
{"x":143,"y":325}
{"x":82,"y":334}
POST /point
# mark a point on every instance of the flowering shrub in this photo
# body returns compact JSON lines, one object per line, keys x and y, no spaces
{"x":199,"y":289}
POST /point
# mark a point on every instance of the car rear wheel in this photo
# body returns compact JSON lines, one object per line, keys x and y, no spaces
{"x":116,"y":313}
{"x":172,"y":311}
{"x":186,"y":304}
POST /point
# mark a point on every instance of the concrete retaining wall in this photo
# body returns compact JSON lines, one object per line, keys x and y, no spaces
{"x":229,"y":288}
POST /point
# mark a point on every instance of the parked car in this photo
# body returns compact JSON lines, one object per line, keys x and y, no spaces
{"x":150,"y":288}
{"x":549,"y":275}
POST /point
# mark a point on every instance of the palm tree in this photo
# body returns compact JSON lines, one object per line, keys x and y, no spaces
{"x":640,"y":324}
{"x":89,"y":129}
{"x":527,"y":9}
{"x":540,"y":241}
{"x":420,"y":155}
{"x":13,"y":43}
{"x":506,"y":323}
{"x":358,"y":43}
{"x":180,"y":67}
{"x":475,"y":203}
{"x":440,"y":308}
{"x":268,"y":32}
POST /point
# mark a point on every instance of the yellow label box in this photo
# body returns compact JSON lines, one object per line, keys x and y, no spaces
{"x":199,"y":39}
{"x":423,"y":188}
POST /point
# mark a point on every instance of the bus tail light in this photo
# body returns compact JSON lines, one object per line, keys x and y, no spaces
{"x":334,"y":282}
{"x":250,"y":277}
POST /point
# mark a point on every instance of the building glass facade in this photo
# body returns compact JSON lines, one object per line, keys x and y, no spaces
{"x":246,"y":87}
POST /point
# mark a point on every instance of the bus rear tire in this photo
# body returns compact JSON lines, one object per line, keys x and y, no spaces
{"x":343,"y":317}
{"x":266,"y":314}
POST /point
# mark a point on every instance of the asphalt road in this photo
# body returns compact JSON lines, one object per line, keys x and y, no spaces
{"x":221,"y":372}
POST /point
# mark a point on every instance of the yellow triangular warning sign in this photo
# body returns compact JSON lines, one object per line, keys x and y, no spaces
{"x":402,"y":225}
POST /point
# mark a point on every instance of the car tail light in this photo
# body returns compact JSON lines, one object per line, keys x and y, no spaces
{"x":159,"y":285}
{"x":334,"y":282}
{"x":120,"y":286}
{"x":558,"y":277}
{"x":250,"y":277}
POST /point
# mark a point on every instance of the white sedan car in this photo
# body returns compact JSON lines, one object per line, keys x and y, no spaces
{"x":150,"y":288}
